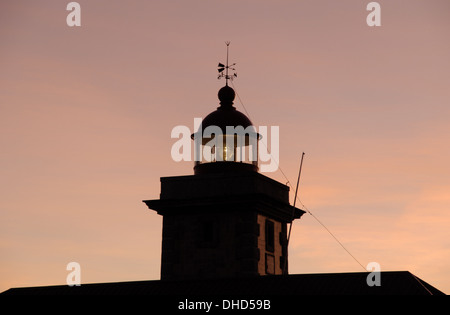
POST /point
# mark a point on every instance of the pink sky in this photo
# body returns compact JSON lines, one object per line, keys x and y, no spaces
{"x":86,"y":115}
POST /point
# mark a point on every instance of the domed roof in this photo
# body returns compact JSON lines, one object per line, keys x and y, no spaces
{"x":223,"y":117}
{"x":226,"y":114}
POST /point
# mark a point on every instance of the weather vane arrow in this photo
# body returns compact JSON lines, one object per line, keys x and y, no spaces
{"x":223,"y":69}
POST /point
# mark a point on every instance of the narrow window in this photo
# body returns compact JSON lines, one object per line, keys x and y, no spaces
{"x":270,"y":264}
{"x":270,"y":236}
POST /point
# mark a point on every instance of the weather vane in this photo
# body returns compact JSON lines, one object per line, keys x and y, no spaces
{"x":223,"y":67}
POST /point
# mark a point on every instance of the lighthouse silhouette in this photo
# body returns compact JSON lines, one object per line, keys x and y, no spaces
{"x":227,"y":219}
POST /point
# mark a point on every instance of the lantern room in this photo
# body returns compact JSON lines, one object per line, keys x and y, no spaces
{"x":226,"y":141}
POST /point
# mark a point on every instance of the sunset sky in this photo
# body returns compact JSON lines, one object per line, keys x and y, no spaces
{"x":86,"y":115}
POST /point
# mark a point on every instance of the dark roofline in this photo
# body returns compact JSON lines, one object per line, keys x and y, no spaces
{"x":392,"y":283}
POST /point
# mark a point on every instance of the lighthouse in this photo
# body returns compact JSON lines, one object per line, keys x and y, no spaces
{"x":227,"y":219}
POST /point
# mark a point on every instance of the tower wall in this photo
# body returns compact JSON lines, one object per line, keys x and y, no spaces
{"x":209,"y":245}
{"x":216,"y":225}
